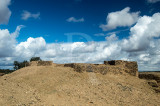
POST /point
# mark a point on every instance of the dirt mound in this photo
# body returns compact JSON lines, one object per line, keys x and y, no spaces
{"x":58,"y":85}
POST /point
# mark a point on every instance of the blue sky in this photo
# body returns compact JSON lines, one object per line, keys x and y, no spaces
{"x":100,"y":30}
{"x":52,"y":24}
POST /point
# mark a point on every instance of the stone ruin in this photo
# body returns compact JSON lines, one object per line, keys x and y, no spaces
{"x":114,"y":66}
{"x":41,"y":63}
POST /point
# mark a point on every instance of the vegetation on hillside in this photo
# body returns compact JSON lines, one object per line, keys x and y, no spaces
{"x":5,"y":71}
{"x":19,"y":65}
{"x":35,"y":59}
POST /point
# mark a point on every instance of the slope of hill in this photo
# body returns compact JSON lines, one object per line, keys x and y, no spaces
{"x":58,"y":85}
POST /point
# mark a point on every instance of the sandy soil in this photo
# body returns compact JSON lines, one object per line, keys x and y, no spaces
{"x":57,"y":85}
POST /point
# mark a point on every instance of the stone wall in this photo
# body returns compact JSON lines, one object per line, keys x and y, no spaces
{"x":83,"y":67}
{"x":41,"y":63}
{"x":131,"y":67}
{"x":115,"y":62}
{"x":114,"y":66}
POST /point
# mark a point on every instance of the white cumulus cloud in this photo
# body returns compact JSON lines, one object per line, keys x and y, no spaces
{"x":31,"y":47}
{"x":26,"y":15}
{"x":8,"y":41}
{"x":5,"y":13}
{"x":79,"y":52}
{"x":112,"y":37}
{"x":73,"y":19}
{"x":142,"y":45}
{"x":121,"y":18}
{"x":142,"y":33}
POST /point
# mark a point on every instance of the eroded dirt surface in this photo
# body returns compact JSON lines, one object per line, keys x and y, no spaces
{"x":58,"y":85}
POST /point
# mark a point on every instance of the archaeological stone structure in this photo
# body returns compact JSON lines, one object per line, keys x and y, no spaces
{"x":40,"y":63}
{"x":114,"y":66}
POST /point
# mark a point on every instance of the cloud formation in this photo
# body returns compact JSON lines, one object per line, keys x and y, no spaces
{"x":152,"y":1}
{"x":26,"y":15}
{"x":142,"y":45}
{"x":5,"y":13}
{"x":8,"y":41}
{"x":31,"y":47}
{"x":78,"y":52}
{"x":121,"y":18}
{"x":91,"y":52}
{"x":73,"y":19}
{"x":146,"y":29}
{"x":111,"y":38}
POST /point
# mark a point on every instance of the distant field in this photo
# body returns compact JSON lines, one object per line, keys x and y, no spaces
{"x":151,"y":72}
{"x":150,"y":75}
{"x":153,"y":79}
{"x":5,"y":71}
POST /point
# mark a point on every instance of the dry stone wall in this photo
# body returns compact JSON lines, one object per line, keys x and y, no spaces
{"x":41,"y":63}
{"x":114,"y":66}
